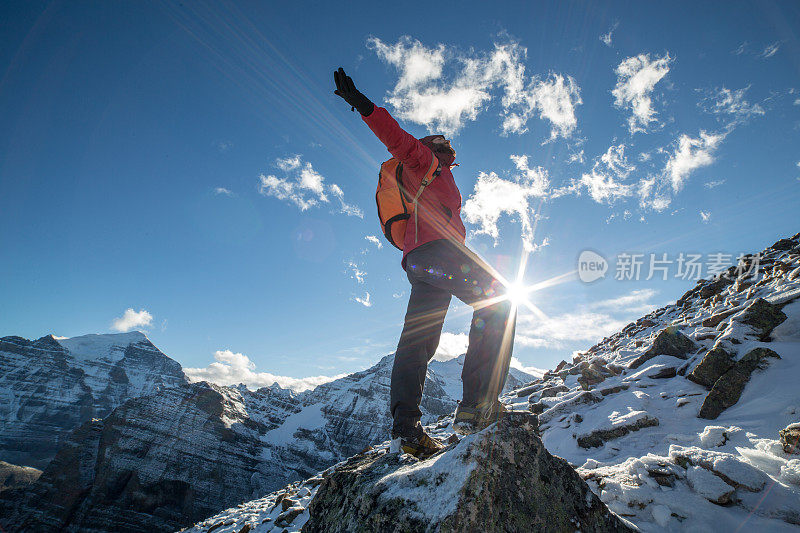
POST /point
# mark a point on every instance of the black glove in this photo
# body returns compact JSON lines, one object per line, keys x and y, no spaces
{"x":347,"y":90}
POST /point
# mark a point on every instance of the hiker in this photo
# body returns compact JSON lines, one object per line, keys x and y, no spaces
{"x":438,"y":266}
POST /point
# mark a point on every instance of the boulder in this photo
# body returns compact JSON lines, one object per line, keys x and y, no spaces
{"x":502,"y":477}
{"x":669,"y":341}
{"x":665,"y":373}
{"x":783,"y":244}
{"x":763,"y":316}
{"x":790,"y":438}
{"x":591,"y":375}
{"x":715,"y":363}
{"x":714,"y":320}
{"x":600,"y":436}
{"x":729,"y":387}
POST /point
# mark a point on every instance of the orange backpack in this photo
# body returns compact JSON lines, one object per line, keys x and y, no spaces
{"x":395,"y":204}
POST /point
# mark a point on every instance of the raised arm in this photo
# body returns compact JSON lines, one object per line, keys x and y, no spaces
{"x":402,"y":145}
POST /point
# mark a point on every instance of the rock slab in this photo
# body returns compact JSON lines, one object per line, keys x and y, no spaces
{"x":729,"y":387}
{"x":501,"y":479}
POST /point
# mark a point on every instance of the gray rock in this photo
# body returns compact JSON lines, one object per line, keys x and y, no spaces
{"x":714,"y":320}
{"x":729,"y":387}
{"x":783,"y":244}
{"x":591,"y":375}
{"x":669,"y":341}
{"x":714,"y":364}
{"x":500,"y":478}
{"x":763,"y":316}
{"x":790,"y":438}
{"x":16,"y":477}
{"x":665,"y":373}
{"x":597,"y":438}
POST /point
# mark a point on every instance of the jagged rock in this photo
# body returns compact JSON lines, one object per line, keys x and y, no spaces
{"x":561,"y":365}
{"x":591,"y":375}
{"x":790,"y":438}
{"x":728,"y":388}
{"x":584,"y":398}
{"x":669,"y":341}
{"x":714,"y":364}
{"x":17,"y":477}
{"x":714,"y":320}
{"x":763,"y":316}
{"x":665,"y":373}
{"x":502,"y":477}
{"x":615,"y":389}
{"x":714,"y":286}
{"x":551,"y":392}
{"x":783,"y":244}
{"x":600,"y":436}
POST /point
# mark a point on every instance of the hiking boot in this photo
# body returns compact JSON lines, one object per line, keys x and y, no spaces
{"x":473,"y":418}
{"x":415,"y":442}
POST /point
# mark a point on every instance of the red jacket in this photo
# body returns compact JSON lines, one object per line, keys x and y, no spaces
{"x":439,"y":206}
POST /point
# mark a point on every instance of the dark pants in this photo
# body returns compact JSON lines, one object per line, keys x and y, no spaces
{"x":437,"y":270}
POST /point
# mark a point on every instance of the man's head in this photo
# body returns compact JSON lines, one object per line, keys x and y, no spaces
{"x":441,"y":148}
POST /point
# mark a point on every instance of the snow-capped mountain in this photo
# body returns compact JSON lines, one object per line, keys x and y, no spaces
{"x":50,"y":386}
{"x":173,"y":457}
{"x":687,"y":419}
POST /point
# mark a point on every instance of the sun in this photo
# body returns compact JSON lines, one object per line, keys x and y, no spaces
{"x":517,"y":293}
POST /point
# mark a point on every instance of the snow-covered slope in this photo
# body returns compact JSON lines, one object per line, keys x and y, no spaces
{"x":626,"y":413}
{"x":50,"y":386}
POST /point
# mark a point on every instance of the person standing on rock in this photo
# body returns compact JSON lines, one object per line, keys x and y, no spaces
{"x":438,"y":266}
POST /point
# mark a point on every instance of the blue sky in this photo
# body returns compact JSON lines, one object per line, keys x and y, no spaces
{"x":190,"y":162}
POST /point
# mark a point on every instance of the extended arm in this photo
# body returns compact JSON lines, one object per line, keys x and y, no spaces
{"x":402,"y":145}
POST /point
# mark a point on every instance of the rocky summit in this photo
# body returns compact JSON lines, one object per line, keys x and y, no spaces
{"x":501,"y":479}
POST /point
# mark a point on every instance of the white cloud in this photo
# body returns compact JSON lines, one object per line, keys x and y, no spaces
{"x":713,"y":184}
{"x":131,"y":319}
{"x":771,"y":50}
{"x":691,"y":154}
{"x":554,"y":99}
{"x":588,"y":323}
{"x":451,"y":345}
{"x":637,"y":76}
{"x":724,"y":102}
{"x":797,"y":101}
{"x":365,"y":301}
{"x":604,"y":182}
{"x":606,"y":37}
{"x":374,"y":240}
{"x":348,"y":209}
{"x":444,"y":100}
{"x":577,"y":157}
{"x":705,"y":216}
{"x":234,"y":368}
{"x":742,"y":48}
{"x":355,"y":272}
{"x":398,"y":294}
{"x":224,"y":146}
{"x":222,"y":191}
{"x":493,"y":196}
{"x":304,"y":187}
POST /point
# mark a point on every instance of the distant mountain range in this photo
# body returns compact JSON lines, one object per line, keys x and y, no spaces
{"x":128,"y":444}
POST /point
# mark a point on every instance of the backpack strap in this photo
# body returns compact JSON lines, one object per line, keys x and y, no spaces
{"x":434,"y":170}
